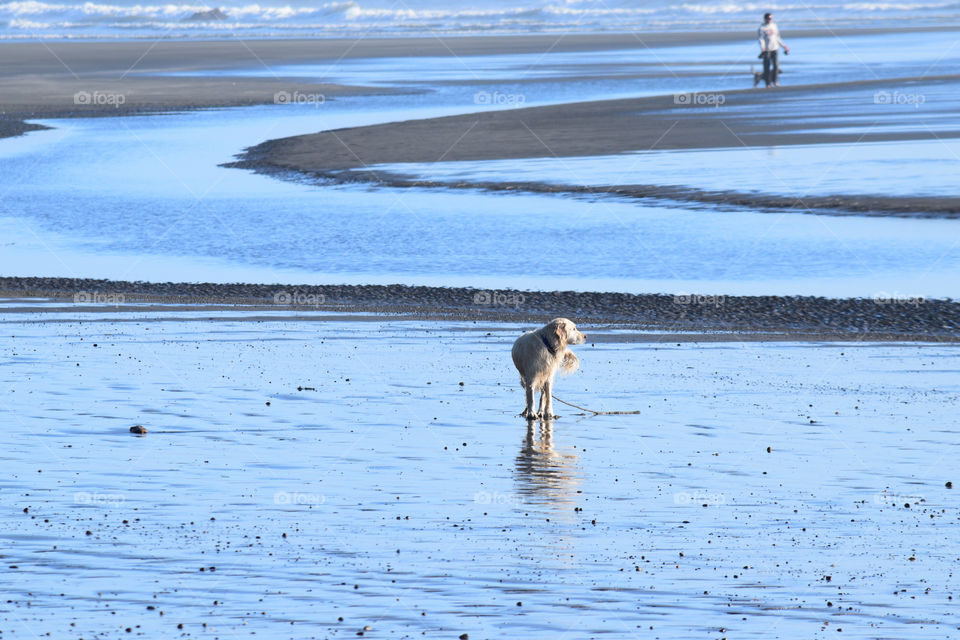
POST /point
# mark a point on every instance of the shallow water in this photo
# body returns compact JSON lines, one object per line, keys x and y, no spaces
{"x":143,"y":198}
{"x":908,"y":168}
{"x":412,"y":504}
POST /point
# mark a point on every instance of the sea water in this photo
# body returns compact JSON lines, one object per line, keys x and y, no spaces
{"x":299,"y":18}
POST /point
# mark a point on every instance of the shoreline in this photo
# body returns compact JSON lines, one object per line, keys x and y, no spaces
{"x":30,"y":57}
{"x":724,"y":317}
{"x":42,"y":78}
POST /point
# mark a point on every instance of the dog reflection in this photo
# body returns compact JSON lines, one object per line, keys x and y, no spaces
{"x":544,"y":474}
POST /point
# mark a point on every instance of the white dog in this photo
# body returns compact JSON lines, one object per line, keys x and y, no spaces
{"x":538,"y":355}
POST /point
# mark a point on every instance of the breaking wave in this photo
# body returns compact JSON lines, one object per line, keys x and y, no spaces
{"x":299,"y":18}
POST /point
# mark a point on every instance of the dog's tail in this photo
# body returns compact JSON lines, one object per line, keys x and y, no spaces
{"x":570,"y":363}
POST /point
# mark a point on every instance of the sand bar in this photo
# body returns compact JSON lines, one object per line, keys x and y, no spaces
{"x":768,"y":317}
{"x":809,"y":114}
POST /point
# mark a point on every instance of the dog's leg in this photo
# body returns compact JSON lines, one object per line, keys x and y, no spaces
{"x":546,"y":402}
{"x":543,"y":401}
{"x":528,"y":412}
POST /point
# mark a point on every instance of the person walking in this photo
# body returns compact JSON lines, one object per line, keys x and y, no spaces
{"x":770,"y":43}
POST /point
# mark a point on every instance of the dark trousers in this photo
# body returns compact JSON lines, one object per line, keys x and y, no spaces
{"x":770,"y":67}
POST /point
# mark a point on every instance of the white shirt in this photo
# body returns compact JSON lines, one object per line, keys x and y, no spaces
{"x":769,"y":35}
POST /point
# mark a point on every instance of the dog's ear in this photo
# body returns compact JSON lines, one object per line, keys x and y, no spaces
{"x":561,"y":332}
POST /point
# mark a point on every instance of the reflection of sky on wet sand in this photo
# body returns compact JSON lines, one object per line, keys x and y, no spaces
{"x":909,"y":168}
{"x":392,"y":491}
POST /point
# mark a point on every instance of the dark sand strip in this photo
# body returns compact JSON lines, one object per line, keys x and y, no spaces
{"x":607,"y":127}
{"x":743,"y":317}
{"x":28,"y":97}
{"x":10,"y":128}
{"x":810,"y":114}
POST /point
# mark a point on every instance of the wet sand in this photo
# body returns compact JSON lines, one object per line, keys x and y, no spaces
{"x":157,"y":56}
{"x":605,"y":127}
{"x":122,"y":78}
{"x":762,"y":317}
{"x":320,"y":480}
{"x":104,"y":96}
{"x":40,"y":79}
{"x":808,"y":114}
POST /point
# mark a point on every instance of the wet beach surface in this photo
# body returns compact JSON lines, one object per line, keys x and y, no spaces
{"x":297,"y":471}
{"x":303,"y":464}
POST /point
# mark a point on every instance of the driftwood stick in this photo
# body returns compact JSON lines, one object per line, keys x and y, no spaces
{"x":597,"y":413}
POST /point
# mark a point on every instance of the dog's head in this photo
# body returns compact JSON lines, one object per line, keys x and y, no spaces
{"x":565,"y":332}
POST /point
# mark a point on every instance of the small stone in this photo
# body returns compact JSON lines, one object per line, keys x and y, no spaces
{"x":138,"y":429}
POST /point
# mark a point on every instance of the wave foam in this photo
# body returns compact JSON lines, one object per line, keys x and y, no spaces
{"x":102,"y":19}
